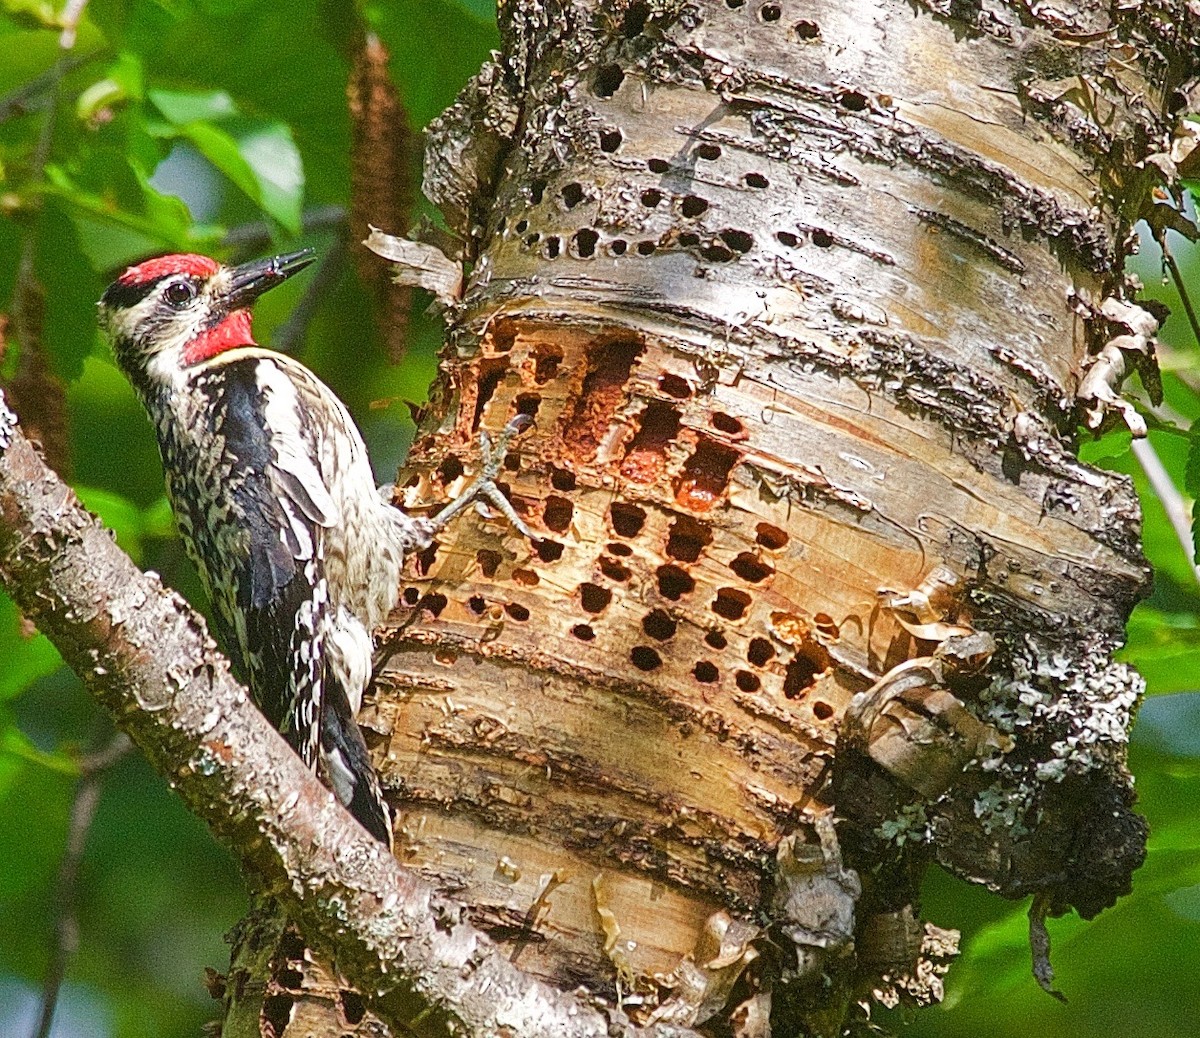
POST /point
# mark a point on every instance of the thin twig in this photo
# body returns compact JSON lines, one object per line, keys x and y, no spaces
{"x":1172,"y":500}
{"x":258,"y":233}
{"x":66,"y":924}
{"x":72,"y":13}
{"x":1181,"y":288}
{"x":289,"y":335}
{"x":17,"y":102}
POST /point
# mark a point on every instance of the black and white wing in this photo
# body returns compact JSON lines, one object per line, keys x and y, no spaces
{"x":266,"y":575}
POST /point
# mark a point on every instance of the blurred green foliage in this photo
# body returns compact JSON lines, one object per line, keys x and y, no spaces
{"x":167,"y":125}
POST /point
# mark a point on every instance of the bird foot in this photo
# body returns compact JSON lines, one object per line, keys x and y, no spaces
{"x":483,"y":487}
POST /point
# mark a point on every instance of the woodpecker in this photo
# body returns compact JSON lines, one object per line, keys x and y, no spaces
{"x":273,"y":494}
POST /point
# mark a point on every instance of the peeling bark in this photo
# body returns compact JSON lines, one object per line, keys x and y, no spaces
{"x":801,"y":298}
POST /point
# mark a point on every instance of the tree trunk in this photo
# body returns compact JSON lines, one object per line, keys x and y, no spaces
{"x":801,"y":298}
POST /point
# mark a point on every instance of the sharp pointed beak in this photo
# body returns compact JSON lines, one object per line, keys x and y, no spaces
{"x":250,"y":280}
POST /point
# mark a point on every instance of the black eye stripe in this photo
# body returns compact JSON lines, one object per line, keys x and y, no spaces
{"x":121,"y":296}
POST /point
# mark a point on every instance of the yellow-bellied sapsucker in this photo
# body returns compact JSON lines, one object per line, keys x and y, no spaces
{"x":273,"y":494}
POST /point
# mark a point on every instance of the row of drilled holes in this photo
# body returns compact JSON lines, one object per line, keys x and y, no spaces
{"x":822,"y":239}
{"x":731,"y":242}
{"x":674,"y":582}
{"x":728,"y":244}
{"x":638,"y":15}
{"x":628,"y":520}
{"x":609,"y":77}
{"x":690,"y":206}
{"x":800,"y":674}
{"x":583,"y":243}
{"x":770,"y":13}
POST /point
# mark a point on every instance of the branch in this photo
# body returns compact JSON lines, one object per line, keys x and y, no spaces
{"x":1170,"y":498}
{"x":1181,"y":287}
{"x":66,"y":925}
{"x":257,"y":234}
{"x":147,"y":657}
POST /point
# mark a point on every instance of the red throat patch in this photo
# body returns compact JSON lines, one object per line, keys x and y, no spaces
{"x":233,"y":331}
{"x":179,"y":263}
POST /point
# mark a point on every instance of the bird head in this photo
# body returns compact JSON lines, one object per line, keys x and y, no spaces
{"x":170,"y":314}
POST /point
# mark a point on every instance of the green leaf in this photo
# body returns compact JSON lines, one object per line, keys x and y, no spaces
{"x":25,"y":56}
{"x":1191,"y":483}
{"x":133,"y":525}
{"x":262,"y":161}
{"x":258,"y":155}
{"x":117,"y":214}
{"x":40,"y":11}
{"x":188,"y":106}
{"x":16,"y":744}
{"x":1160,"y":542}
{"x":34,"y":802}
{"x":27,"y":53}
{"x":222,"y":151}
{"x":158,"y":520}
{"x":484,"y":10}
{"x":1165,"y":648}
{"x":1105,"y":450}
{"x":271,"y":153}
{"x":72,"y":288}
{"x":25,"y":658}
{"x":1191,"y":472}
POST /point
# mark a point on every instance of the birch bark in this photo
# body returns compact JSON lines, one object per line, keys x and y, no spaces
{"x":804,"y":298}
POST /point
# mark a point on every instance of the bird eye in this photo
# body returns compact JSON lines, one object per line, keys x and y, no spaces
{"x":179,"y":293}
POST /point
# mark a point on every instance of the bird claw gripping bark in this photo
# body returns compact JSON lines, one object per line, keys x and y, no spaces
{"x":483,"y":487}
